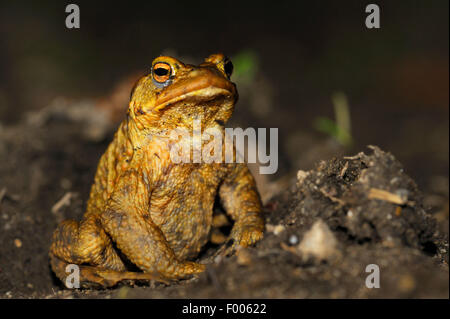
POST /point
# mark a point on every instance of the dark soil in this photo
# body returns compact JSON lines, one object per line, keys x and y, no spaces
{"x":42,"y":163}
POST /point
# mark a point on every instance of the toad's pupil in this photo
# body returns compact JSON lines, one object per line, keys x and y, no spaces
{"x":161,"y":71}
{"x":228,"y":67}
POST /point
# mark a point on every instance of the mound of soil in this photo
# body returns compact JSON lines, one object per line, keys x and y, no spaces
{"x":322,"y":232}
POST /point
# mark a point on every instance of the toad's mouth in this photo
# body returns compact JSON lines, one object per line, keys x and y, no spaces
{"x":198,"y":89}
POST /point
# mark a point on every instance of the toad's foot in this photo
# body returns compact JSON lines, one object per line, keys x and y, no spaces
{"x":94,"y":276}
{"x":247,"y":235}
{"x":241,"y":236}
{"x":111,"y":277}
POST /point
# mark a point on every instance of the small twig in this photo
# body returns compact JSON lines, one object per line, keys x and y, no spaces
{"x":332,"y":198}
{"x":287,"y":248}
{"x":64,"y":201}
{"x":344,"y":170}
{"x":357,"y":156}
{"x":2,"y":193}
{"x":386,"y":196}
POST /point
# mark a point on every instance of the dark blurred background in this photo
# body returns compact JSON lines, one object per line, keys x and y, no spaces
{"x":395,"y":78}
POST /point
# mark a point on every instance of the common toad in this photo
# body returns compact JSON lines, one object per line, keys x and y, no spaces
{"x":146,"y":211}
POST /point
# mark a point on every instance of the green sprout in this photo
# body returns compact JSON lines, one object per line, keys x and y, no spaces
{"x":245,"y":66}
{"x":341,"y":128}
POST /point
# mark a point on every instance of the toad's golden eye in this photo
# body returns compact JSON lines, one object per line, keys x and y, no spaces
{"x":161,"y":72}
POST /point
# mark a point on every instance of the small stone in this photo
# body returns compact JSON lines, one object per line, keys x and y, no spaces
{"x":243,"y":257}
{"x":319,"y":242}
{"x":278,"y":229}
{"x":388,"y":242}
{"x":406,"y":283}
{"x":18,"y":242}
{"x":293,"y":240}
{"x":301,"y":175}
{"x":218,"y":259}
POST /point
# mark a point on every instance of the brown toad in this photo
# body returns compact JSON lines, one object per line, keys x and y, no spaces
{"x":146,"y":210}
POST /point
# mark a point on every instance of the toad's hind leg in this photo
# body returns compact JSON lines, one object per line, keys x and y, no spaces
{"x":86,"y":245}
{"x":94,"y":276}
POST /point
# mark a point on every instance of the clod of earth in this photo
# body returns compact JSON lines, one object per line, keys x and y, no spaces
{"x":400,"y":237}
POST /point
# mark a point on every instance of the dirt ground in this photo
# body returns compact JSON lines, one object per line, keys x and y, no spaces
{"x":45,"y":160}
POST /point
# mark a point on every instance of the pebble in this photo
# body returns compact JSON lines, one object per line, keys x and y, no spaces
{"x":319,"y":242}
{"x":18,"y":242}
{"x":277,"y":229}
{"x":218,"y":259}
{"x":243,"y":257}
{"x":406,"y":283}
{"x":301,"y":175}
{"x":293,"y":240}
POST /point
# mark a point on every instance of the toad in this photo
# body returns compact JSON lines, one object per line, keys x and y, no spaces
{"x":147,"y":218}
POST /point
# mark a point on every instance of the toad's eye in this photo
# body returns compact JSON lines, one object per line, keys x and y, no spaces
{"x":161,"y":72}
{"x":228,"y":67}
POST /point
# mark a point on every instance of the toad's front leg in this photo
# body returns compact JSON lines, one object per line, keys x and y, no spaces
{"x":241,"y":200}
{"x":127,"y":221}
